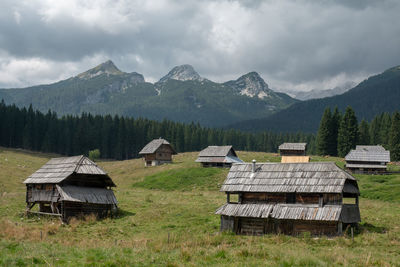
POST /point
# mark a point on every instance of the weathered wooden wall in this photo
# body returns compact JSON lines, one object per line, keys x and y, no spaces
{"x":263,"y":197}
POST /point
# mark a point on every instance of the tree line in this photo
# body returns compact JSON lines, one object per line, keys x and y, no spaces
{"x":339,"y":133}
{"x":118,"y":137}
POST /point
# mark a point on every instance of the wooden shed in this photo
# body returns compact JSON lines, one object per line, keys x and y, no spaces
{"x":289,"y":198}
{"x":368,"y":159}
{"x":218,"y":156}
{"x":293,"y":149}
{"x":157,"y":152}
{"x":70,"y":186}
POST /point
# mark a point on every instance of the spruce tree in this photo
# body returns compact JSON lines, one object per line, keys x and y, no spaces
{"x":348,"y":132}
{"x":363,"y":135}
{"x":395,"y":137}
{"x":324,"y":135}
{"x":334,"y":129}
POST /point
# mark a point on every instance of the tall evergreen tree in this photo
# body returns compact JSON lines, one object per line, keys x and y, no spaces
{"x":348,"y":132}
{"x":363,"y":133}
{"x":395,"y":137}
{"x":334,"y":129}
{"x":324,"y":133}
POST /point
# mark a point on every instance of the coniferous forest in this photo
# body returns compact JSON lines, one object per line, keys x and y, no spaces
{"x":120,"y":137}
{"x":339,"y":133}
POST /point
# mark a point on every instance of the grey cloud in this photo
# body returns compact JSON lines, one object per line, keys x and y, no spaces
{"x":289,"y":43}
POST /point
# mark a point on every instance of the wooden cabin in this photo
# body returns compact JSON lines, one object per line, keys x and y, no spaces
{"x":367,"y":159}
{"x":218,"y":156}
{"x":293,"y":149}
{"x":289,"y":198}
{"x":157,"y":152}
{"x":69,"y":187}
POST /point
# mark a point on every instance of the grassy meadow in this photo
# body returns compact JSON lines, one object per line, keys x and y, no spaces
{"x":167,"y":218}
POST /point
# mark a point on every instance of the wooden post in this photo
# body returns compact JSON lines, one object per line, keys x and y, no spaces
{"x":340,"y":226}
{"x":228,"y":195}
{"x":321,"y":200}
{"x":352,"y":233}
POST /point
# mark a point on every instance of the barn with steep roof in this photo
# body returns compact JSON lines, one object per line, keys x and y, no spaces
{"x":70,"y":186}
{"x":289,"y":198}
{"x":218,"y":156}
{"x":157,"y":152}
{"x":367,"y":159}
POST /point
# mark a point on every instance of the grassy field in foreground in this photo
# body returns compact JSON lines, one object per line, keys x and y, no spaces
{"x":167,"y":218}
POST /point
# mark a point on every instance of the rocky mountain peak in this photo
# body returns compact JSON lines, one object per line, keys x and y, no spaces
{"x":107,"y":67}
{"x":252,"y":85}
{"x":182,"y":73}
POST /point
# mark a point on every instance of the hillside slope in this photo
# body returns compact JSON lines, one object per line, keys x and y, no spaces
{"x":377,"y":94}
{"x":177,"y":226}
{"x":181,"y":95}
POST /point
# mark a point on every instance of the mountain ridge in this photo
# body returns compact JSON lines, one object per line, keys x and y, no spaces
{"x":181,"y":95}
{"x":376,"y":94}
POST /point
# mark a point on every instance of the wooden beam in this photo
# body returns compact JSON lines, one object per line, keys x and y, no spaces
{"x":44,"y":213}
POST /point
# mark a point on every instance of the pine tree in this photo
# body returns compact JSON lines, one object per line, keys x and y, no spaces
{"x":348,"y":132}
{"x":324,"y":135}
{"x":395,"y":137}
{"x":334,"y":129}
{"x":363,"y":135}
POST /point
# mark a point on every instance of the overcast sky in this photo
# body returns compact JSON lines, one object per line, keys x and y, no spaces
{"x":299,"y":45}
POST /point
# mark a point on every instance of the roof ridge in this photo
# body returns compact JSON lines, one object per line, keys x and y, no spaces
{"x":78,"y":164}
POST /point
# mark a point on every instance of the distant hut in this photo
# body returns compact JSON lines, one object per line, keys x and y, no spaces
{"x":289,"y":198}
{"x":367,"y":159}
{"x":70,"y":186}
{"x":293,"y":153}
{"x":218,"y":156}
{"x":157,"y":152}
{"x":293,"y":149}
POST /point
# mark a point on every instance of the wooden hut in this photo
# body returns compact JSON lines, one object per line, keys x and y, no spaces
{"x":70,"y":186}
{"x":218,"y":156}
{"x":157,"y":152}
{"x":293,"y":149}
{"x":367,"y":159}
{"x":289,"y":198}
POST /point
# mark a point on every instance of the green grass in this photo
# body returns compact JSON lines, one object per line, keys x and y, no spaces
{"x":383,"y":187}
{"x":178,"y":227}
{"x":184,"y":179}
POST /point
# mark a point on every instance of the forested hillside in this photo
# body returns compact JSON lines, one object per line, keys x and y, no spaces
{"x":377,"y":94}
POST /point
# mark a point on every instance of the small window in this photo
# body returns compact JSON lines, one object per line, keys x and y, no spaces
{"x":349,"y":200}
{"x":291,"y":198}
{"x":233,"y":198}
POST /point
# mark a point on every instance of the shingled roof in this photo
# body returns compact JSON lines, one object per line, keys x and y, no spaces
{"x":293,"y":146}
{"x":152,"y":147}
{"x":306,"y":212}
{"x":370,"y":148}
{"x":369,"y":154}
{"x":87,"y":194}
{"x":57,"y":170}
{"x":216,"y":151}
{"x":315,"y":177}
{"x":218,"y":154}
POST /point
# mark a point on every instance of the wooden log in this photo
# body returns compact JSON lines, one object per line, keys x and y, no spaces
{"x":43,"y":213}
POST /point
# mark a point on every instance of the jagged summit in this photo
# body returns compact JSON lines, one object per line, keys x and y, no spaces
{"x":107,"y":67}
{"x":182,"y":73}
{"x":251,"y":84}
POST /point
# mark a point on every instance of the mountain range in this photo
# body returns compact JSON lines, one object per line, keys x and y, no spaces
{"x":377,"y":94}
{"x":246,"y":103}
{"x":318,"y":93}
{"x":181,"y":95}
